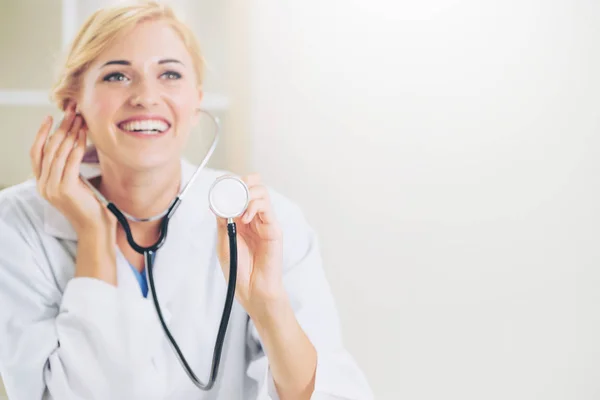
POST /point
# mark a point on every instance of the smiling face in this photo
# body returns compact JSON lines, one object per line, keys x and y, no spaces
{"x":140,"y":98}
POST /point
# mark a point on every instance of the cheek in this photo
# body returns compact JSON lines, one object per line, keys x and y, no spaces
{"x":98,"y":108}
{"x":185,"y":104}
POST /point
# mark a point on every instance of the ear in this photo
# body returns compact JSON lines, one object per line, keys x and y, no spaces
{"x":197,"y":108}
{"x":78,"y":110}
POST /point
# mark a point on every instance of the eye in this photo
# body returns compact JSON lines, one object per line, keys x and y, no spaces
{"x":114,"y":77}
{"x":171,"y":75}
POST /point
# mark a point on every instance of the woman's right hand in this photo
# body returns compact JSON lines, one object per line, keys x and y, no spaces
{"x":56,"y":163}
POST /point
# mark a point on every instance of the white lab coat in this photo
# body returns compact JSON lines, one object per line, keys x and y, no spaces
{"x":80,"y":338}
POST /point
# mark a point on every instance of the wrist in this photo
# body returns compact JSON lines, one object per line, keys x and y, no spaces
{"x":96,"y":253}
{"x":292,"y":357}
{"x":104,"y":228}
{"x":271,"y":313}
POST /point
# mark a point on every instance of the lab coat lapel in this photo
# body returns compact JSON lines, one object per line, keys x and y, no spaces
{"x":173,"y":261}
{"x":125,"y":277}
{"x":187,"y":243}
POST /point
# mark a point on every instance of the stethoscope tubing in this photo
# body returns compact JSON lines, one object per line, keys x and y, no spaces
{"x":149,"y":253}
{"x":216,"y":359}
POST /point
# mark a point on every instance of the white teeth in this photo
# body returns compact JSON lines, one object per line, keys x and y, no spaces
{"x":147,"y":127}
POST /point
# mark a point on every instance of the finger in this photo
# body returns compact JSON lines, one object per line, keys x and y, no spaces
{"x":260,"y":207}
{"x":221,"y":224}
{"x":68,"y":119}
{"x":251,"y":180}
{"x":259,"y":195}
{"x":258,"y":192}
{"x":35,"y":152}
{"x":62,"y":153}
{"x":53,"y":143}
{"x":74,"y":159}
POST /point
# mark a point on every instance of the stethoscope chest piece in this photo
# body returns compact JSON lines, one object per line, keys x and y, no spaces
{"x":228,"y":197}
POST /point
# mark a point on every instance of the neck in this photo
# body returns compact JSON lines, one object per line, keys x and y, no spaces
{"x":141,"y":194}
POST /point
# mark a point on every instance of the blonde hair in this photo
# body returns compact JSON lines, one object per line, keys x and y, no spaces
{"x":102,"y":28}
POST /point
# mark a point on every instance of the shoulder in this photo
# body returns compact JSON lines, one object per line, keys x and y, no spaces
{"x":299,"y":237}
{"x":289,"y":214}
{"x":27,"y":270}
{"x":22,"y":207}
{"x":22,"y":231}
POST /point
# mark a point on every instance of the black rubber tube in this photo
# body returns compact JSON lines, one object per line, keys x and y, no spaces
{"x":231,"y":230}
{"x":164,"y":225}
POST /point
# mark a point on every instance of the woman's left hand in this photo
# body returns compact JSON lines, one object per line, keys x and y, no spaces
{"x":260,"y":250}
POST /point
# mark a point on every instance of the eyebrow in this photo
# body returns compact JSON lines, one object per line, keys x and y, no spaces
{"x":170,"y":60}
{"x":125,"y":62}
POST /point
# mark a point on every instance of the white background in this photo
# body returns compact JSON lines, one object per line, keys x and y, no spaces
{"x":447,"y":152}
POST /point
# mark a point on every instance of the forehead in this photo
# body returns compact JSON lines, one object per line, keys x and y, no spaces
{"x":147,"y":41}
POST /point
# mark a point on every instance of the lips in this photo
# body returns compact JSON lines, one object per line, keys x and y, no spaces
{"x":145,"y":125}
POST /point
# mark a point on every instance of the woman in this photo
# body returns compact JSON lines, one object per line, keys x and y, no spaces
{"x":75,"y":319}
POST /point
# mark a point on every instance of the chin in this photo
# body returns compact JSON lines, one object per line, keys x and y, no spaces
{"x":149,"y":161}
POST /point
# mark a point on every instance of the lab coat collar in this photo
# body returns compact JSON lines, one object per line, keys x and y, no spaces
{"x":189,"y":215}
{"x":190,"y":241}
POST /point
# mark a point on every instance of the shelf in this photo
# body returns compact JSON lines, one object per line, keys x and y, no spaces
{"x":211,"y":101}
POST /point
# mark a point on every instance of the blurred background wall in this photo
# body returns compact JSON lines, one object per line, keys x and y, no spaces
{"x":446,"y":151}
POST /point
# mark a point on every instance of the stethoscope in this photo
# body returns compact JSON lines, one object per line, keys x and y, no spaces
{"x":228,"y":198}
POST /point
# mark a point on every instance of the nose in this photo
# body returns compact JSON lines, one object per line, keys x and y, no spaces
{"x":144,"y":95}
